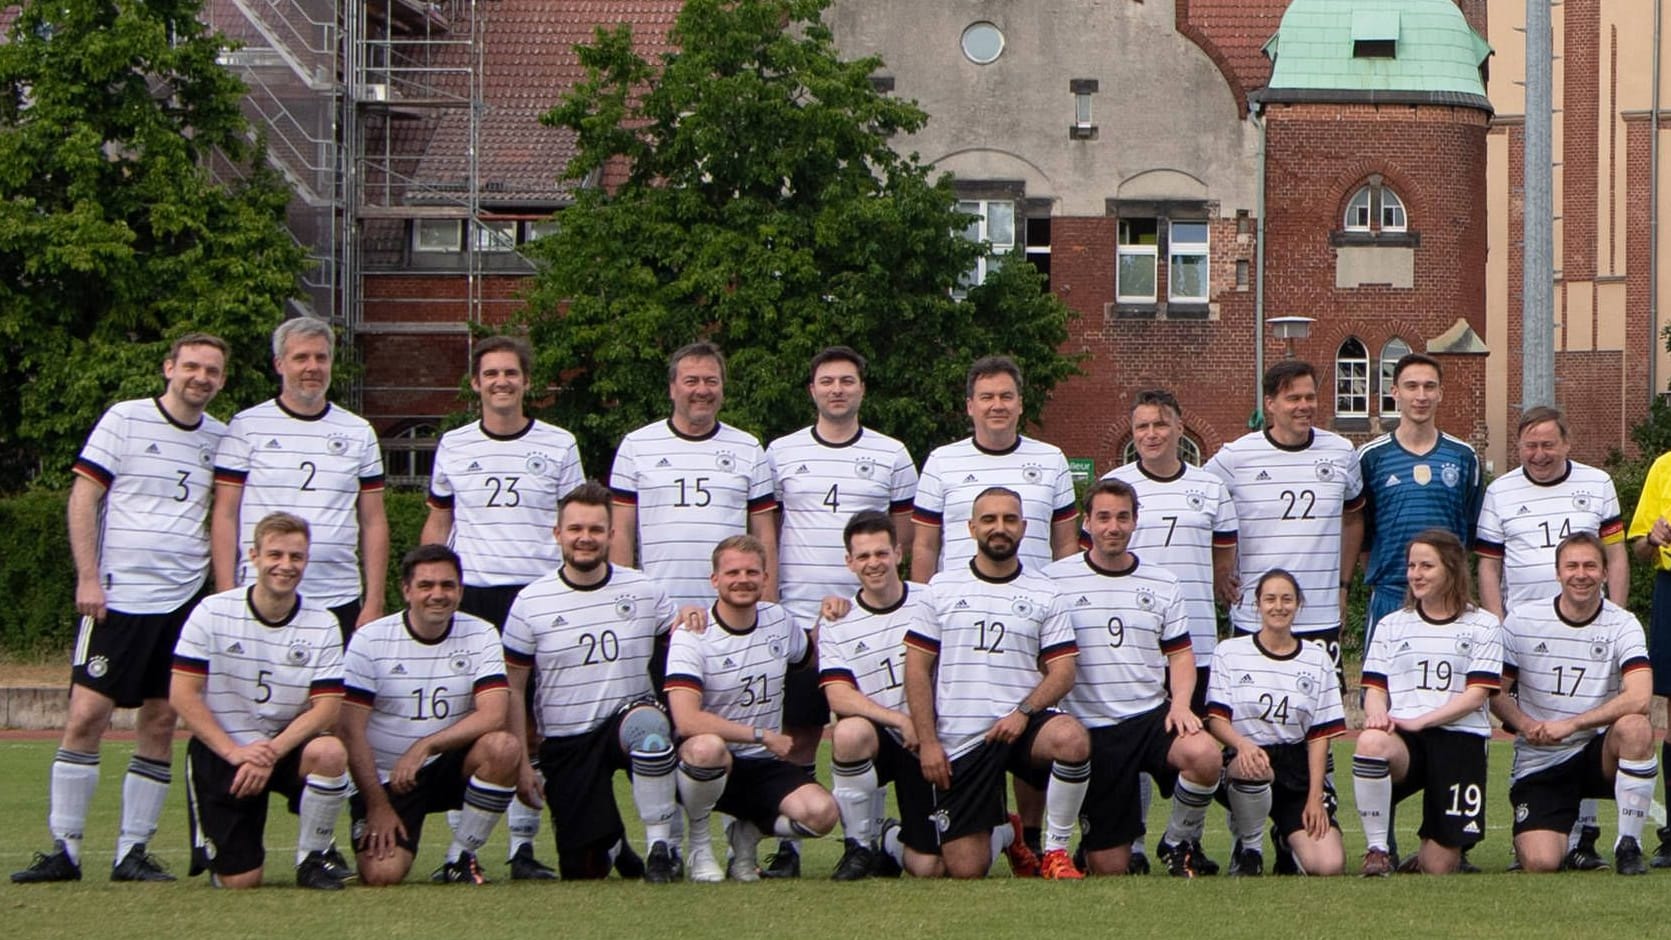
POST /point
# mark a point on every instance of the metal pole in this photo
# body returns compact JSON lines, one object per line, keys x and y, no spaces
{"x":1537,"y":317}
{"x":1655,"y":338}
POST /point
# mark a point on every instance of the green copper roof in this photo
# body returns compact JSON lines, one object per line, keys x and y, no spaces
{"x":1342,"y":46}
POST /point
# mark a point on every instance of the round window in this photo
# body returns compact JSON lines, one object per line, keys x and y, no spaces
{"x":983,"y":43}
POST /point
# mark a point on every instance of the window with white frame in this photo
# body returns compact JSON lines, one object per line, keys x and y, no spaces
{"x":495,"y":235}
{"x":1186,"y":252}
{"x":1188,"y":451}
{"x":1395,"y":350}
{"x":436,"y":235}
{"x":1136,"y":259}
{"x":1351,"y":380}
{"x":994,"y":225}
{"x":1375,"y":208}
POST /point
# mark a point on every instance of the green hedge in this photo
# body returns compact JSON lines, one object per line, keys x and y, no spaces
{"x":38,"y":617}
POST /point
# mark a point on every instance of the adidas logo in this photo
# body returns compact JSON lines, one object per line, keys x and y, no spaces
{"x":236,"y":647}
{"x":802,"y":469}
{"x":273,"y":444}
{"x":1473,"y":828}
{"x":1522,"y":511}
{"x":1404,"y":646}
{"x":970,"y":479}
{"x":664,"y":462}
{"x":961,"y":605}
{"x":399,"y":670}
{"x":863,"y":647}
{"x":1246,"y":679}
{"x":1082,"y":602}
{"x":1392,"y":480}
{"x":1262,"y":477}
{"x":153,"y":449}
{"x":1541,"y":648}
{"x":561,"y":621}
{"x":729,"y":663}
{"x":473,"y":466}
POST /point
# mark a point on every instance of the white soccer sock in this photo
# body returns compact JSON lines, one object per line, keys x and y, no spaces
{"x":144,"y":790}
{"x":75,"y":777}
{"x":1372,"y":785}
{"x":522,"y":824}
{"x":855,"y":786}
{"x":790,"y":833}
{"x":895,"y":849}
{"x":656,"y":794}
{"x":1189,"y":810}
{"x":321,"y":802}
{"x":878,"y":807}
{"x":484,"y":803}
{"x":1250,"y":804}
{"x":699,"y":789}
{"x":1633,"y":791}
{"x":1003,"y":836}
{"x":1145,"y":799}
{"x":1589,"y":817}
{"x":1063,"y":796}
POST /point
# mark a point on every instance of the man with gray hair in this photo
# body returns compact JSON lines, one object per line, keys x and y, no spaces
{"x":299,"y":453}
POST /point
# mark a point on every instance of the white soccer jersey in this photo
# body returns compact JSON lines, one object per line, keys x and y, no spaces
{"x":1179,"y":521}
{"x":589,"y":646}
{"x":315,"y":466}
{"x":955,"y":474}
{"x":690,"y":493}
{"x":1126,"y":624}
{"x":993,"y":639}
{"x":1289,"y":501}
{"x":820,"y":486}
{"x":866,"y":648}
{"x":1275,"y":699}
{"x":503,"y":492}
{"x":1522,"y":522}
{"x":259,"y":676}
{"x":1566,"y":669}
{"x":157,"y":474}
{"x":1422,"y":664}
{"x":739,"y":672}
{"x":416,"y":687}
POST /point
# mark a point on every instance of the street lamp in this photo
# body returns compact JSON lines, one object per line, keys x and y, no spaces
{"x":1289,"y":329}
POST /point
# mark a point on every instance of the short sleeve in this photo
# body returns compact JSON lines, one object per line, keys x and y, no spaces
{"x":1488,"y":535}
{"x":359,"y":672}
{"x":623,"y":474}
{"x":232,"y":456}
{"x":929,"y":506}
{"x":100,"y":459}
{"x":761,"y":495}
{"x":440,"y":486}
{"x":518,"y":637}
{"x":191,"y":651}
{"x":684,"y":661}
{"x":902,"y":487}
{"x":1225,"y":521}
{"x":1056,"y":635}
{"x":371,"y":461}
{"x":571,"y":472}
{"x":1485,"y":659}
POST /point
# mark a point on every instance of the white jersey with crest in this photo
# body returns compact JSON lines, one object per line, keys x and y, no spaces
{"x":1565,"y":668}
{"x":690,"y":494}
{"x":956,"y":473}
{"x":1423,"y":664}
{"x":866,"y":648}
{"x":416,"y":687}
{"x":314,"y":466}
{"x":1522,"y":521}
{"x":502,"y":491}
{"x":820,"y":486}
{"x":157,"y":474}
{"x":589,"y":646}
{"x":259,"y":676}
{"x":992,"y":639}
{"x":1272,"y":699}
{"x":739,"y":669}
{"x":1126,"y":624}
{"x":1180,"y":520}
{"x":1289,"y":502}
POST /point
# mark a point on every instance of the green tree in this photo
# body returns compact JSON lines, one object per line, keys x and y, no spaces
{"x":114,"y":235}
{"x":760,"y":205}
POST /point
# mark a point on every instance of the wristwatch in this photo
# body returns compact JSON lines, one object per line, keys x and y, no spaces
{"x":1026,"y":710}
{"x":759,"y":736}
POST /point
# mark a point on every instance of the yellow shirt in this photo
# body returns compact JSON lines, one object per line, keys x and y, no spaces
{"x":1655,"y":502}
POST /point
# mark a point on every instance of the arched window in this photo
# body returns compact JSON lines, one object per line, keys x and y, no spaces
{"x":1188,"y":451}
{"x":1375,"y":208}
{"x":1395,"y":350}
{"x":1351,"y":380}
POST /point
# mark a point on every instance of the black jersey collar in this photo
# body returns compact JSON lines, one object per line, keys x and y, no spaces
{"x":173,"y":420}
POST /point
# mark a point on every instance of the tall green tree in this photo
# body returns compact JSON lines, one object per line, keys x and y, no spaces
{"x":114,"y":234}
{"x":754,"y":199}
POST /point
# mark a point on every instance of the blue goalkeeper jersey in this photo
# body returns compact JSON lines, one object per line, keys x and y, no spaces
{"x":1406,"y":493}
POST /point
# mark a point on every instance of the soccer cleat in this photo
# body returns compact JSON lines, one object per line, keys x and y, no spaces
{"x":628,"y":864}
{"x":786,"y":863}
{"x":1584,"y":856}
{"x":1662,"y":855}
{"x":1057,"y":865}
{"x":701,"y":866}
{"x":744,"y":839}
{"x":1465,"y":866}
{"x":139,"y":865}
{"x":857,"y":862}
{"x":1023,"y":862}
{"x":1627,"y":857}
{"x":1377,"y":863}
{"x":1407,"y":866}
{"x":337,"y":865}
{"x":1284,"y":863}
{"x":1178,"y":859}
{"x":54,"y":867}
{"x":1247,"y":863}
{"x":883,"y":864}
{"x":1139,"y":864}
{"x":525,"y":867}
{"x":658,"y":865}
{"x":1203,"y":864}
{"x":315,"y":873}
{"x":464,"y":870}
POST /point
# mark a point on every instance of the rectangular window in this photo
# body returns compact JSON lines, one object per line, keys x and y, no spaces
{"x":532,"y":231}
{"x":435,"y":235}
{"x":1136,"y":258}
{"x":495,"y":236}
{"x":994,"y":224}
{"x":1351,"y":392}
{"x":1186,"y":273}
{"x":1082,"y":110}
{"x":1038,"y":245}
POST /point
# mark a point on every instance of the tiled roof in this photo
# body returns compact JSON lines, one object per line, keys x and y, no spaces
{"x":1232,"y":32}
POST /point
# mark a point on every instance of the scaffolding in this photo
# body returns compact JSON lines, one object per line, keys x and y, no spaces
{"x":372,"y":111}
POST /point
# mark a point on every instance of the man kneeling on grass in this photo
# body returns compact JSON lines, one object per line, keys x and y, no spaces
{"x":425,"y":725}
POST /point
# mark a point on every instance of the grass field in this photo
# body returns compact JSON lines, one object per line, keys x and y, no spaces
{"x":1492,"y":904}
